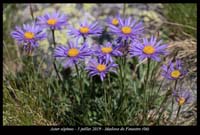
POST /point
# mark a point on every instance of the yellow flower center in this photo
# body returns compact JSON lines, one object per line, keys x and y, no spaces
{"x":73,"y":52}
{"x":126,"y":30}
{"x":181,"y":101}
{"x":175,"y":73}
{"x":29,"y":35}
{"x":106,"y":49}
{"x":101,"y":67}
{"x":52,"y":21}
{"x":149,"y":49}
{"x":84,"y":30}
{"x":115,"y":21}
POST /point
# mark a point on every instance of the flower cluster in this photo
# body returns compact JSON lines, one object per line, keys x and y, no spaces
{"x":102,"y":60}
{"x":129,"y":32}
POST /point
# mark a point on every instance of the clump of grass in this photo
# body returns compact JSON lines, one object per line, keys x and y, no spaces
{"x":21,"y":108}
{"x":185,"y":17}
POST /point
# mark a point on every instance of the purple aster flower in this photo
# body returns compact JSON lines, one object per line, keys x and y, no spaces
{"x":148,"y":49}
{"x":182,"y":97}
{"x":29,"y":35}
{"x":86,"y":29}
{"x":100,"y":68}
{"x":173,"y":71}
{"x":127,"y":29}
{"x":72,"y":54}
{"x":107,"y":51}
{"x":113,"y":20}
{"x":53,"y":21}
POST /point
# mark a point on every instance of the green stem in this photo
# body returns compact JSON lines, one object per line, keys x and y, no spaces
{"x":84,"y":39}
{"x":79,"y":80}
{"x":157,"y":92}
{"x":121,"y":74}
{"x":161,"y":106}
{"x":160,"y":86}
{"x":162,"y":82}
{"x":124,"y":66}
{"x":53,"y":36}
{"x":110,"y":97}
{"x":109,"y":81}
{"x":31,"y":11}
{"x":92,"y":90}
{"x":177,"y":115}
{"x":175,"y":84}
{"x":172,"y":105}
{"x":54,"y":62}
{"x":124,"y":9}
{"x":154,"y":97}
{"x":158,"y":120}
{"x":145,"y":90}
{"x":148,"y":69}
{"x":105,"y":101}
{"x":136,"y":69}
